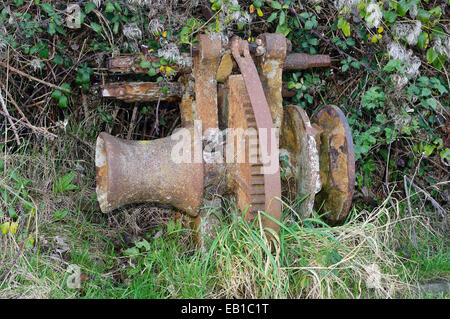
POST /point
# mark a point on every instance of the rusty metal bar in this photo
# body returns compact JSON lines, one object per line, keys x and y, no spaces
{"x":151,"y":91}
{"x":302,"y":61}
{"x":131,"y":64}
{"x":143,"y":91}
{"x":294,"y":61}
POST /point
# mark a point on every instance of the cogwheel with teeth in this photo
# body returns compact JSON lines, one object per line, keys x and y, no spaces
{"x":246,"y":175}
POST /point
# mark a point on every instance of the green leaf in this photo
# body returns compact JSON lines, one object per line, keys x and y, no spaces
{"x":58,"y":60}
{"x":423,"y":16}
{"x":258,"y":3}
{"x":425,"y":92}
{"x":272,"y":17}
{"x":89,"y":7}
{"x":133,"y":251}
{"x":390,"y":16}
{"x":275,"y":5}
{"x":151,"y":72}
{"x":309,"y":25}
{"x":143,"y":244}
{"x":64,"y":183}
{"x":117,"y":6}
{"x":422,"y":41}
{"x":66,"y":86}
{"x":431,"y":55}
{"x":60,"y":214}
{"x":445,"y":154}
{"x":48,"y":8}
{"x":56,"y":94}
{"x":109,"y":7}
{"x":428,"y":149}
{"x":51,"y":28}
{"x":12,"y":212}
{"x":344,"y":26}
{"x":96,"y":27}
{"x":282,"y":19}
{"x":145,"y":64}
{"x":393,"y":65}
{"x":63,"y":101}
{"x":402,"y":8}
{"x":430,"y":102}
{"x":313,"y":41}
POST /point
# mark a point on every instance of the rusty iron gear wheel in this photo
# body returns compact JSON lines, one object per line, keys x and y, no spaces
{"x":258,"y":115}
{"x":247,"y":180}
{"x":337,"y":165}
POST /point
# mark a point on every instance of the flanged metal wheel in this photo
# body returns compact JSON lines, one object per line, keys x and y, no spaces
{"x":298,"y":138}
{"x":337,"y":165}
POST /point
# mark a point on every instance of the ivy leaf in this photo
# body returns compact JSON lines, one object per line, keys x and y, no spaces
{"x":423,"y":16}
{"x":96,"y":27}
{"x":145,"y":64}
{"x":428,"y":149}
{"x":390,"y":16}
{"x":51,"y":28}
{"x":282,"y":19}
{"x":48,"y":8}
{"x":109,"y":7}
{"x":402,"y":8}
{"x":309,"y":25}
{"x":445,"y":154}
{"x":430,"y":102}
{"x":422,"y":41}
{"x":151,"y":72}
{"x":12,"y":212}
{"x":275,"y":5}
{"x":66,"y":86}
{"x":89,"y":7}
{"x":431,"y":55}
{"x":56,"y":94}
{"x":272,"y":17}
{"x":344,"y":26}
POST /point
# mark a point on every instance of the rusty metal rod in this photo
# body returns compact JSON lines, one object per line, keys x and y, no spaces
{"x":302,"y":61}
{"x":294,"y":61}
{"x":143,"y":91}
{"x":152,"y":91}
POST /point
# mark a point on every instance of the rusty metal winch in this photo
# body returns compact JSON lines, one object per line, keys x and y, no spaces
{"x":235,"y":130}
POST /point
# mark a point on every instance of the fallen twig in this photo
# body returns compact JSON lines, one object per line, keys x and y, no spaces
{"x":33,"y":78}
{"x":439,"y":209}
{"x":13,"y":126}
{"x":34,"y":128}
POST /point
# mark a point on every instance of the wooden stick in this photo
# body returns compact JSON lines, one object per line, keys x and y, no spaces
{"x":36,"y":129}
{"x":9,"y":118}
{"x":33,"y":78}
